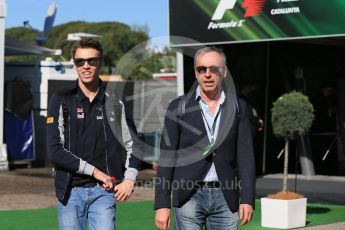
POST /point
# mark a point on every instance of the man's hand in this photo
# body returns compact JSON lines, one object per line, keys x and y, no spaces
{"x":107,"y":182}
{"x":246,"y":213}
{"x":163,"y":218}
{"x":124,"y":190}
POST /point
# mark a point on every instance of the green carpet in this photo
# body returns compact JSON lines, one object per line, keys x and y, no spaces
{"x":140,"y":215}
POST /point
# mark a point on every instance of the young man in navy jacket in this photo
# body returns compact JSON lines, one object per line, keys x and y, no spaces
{"x":206,"y":160}
{"x":90,"y":138}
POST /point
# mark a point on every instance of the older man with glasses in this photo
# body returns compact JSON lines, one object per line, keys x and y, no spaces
{"x":86,"y":142}
{"x":207,"y":159}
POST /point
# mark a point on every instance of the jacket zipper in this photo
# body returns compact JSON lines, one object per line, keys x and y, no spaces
{"x":69,"y":149}
{"x":106,"y":143}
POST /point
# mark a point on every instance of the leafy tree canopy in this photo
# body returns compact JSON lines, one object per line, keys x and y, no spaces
{"x":116,"y":39}
{"x":22,"y":33}
{"x":292,"y":113}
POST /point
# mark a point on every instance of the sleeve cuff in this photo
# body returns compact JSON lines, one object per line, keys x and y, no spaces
{"x":85,"y":168}
{"x":131,"y":174}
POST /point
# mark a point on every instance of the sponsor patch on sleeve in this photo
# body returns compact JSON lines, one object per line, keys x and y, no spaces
{"x":50,"y":120}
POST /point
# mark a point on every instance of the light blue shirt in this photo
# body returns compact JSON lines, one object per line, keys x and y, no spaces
{"x":209,"y":120}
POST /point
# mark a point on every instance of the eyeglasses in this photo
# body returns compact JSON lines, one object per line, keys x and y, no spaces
{"x":94,"y":61}
{"x":203,"y":69}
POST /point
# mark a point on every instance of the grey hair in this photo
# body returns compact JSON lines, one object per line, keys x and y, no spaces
{"x":205,"y":50}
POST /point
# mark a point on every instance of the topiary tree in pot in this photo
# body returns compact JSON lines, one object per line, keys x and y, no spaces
{"x":292,"y":115}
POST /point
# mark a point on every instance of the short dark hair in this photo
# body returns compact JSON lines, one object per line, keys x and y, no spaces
{"x":87,"y":43}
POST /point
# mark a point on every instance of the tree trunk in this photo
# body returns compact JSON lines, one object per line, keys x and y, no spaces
{"x":286,"y":164}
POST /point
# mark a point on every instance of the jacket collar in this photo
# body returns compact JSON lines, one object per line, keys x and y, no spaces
{"x":100,"y":94}
{"x":198,"y":95}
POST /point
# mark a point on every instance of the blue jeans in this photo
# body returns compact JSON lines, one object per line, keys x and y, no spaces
{"x":95,"y":204}
{"x":207,"y":207}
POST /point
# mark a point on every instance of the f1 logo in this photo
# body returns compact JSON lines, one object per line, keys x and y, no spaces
{"x":223,"y":5}
{"x":254,"y":7}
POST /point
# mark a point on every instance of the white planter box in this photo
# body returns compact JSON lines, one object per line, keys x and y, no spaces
{"x":283,"y":214}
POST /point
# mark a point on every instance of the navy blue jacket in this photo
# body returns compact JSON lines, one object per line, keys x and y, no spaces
{"x":120,"y":138}
{"x":182,"y":162}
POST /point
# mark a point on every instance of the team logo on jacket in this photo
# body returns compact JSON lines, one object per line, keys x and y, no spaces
{"x":50,"y":120}
{"x":80,"y":113}
{"x":100,"y":116}
{"x":112,"y":116}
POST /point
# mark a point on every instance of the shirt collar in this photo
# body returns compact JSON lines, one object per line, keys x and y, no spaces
{"x":198,"y":95}
{"x":99,"y":96}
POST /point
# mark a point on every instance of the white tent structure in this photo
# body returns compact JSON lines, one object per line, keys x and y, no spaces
{"x":11,"y":47}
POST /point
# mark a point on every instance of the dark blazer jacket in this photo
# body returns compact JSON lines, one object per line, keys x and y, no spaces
{"x":182,"y":163}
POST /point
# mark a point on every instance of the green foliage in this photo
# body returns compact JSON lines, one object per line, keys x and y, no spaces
{"x":23,"y":34}
{"x":153,"y":63}
{"x":292,"y":113}
{"x":117,"y":38}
